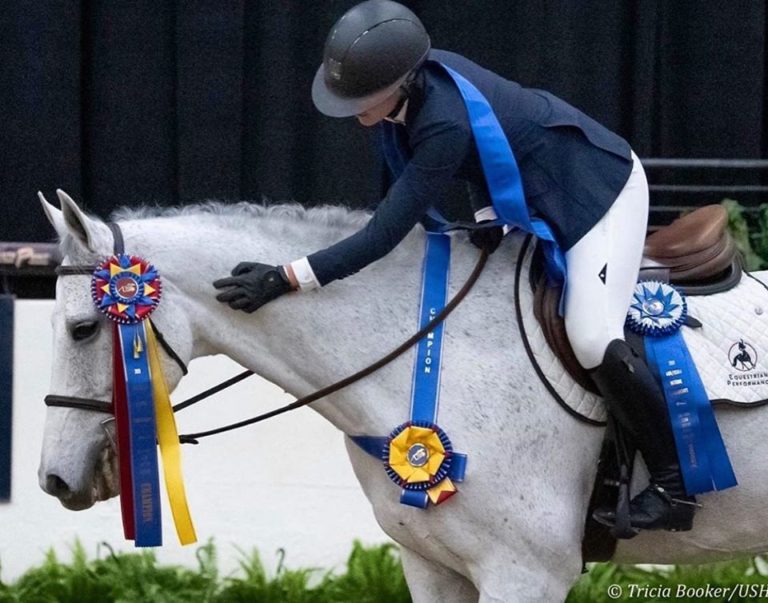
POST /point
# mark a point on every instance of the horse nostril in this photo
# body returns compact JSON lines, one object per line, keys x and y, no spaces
{"x":56,"y":486}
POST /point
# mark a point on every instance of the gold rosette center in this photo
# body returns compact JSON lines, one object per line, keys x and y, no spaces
{"x":416,"y":454}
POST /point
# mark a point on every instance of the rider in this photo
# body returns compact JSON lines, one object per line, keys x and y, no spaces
{"x":579,"y":177}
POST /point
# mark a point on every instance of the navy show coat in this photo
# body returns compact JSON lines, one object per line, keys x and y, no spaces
{"x":572,"y":167}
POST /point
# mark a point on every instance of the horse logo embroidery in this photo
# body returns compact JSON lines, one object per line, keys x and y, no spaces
{"x":127,"y":288}
{"x":742,"y":356}
{"x":418,"y":455}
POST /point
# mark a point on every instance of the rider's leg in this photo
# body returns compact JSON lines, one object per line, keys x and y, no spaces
{"x":602,"y":271}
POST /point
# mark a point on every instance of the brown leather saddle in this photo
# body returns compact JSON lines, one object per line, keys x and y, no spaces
{"x":696,"y":253}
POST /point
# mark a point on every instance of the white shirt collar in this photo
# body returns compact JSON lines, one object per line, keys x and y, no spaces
{"x":400,"y":117}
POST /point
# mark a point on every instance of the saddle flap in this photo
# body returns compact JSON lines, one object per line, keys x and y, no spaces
{"x":695,"y":248}
{"x":689,"y":234}
{"x":705,"y":264}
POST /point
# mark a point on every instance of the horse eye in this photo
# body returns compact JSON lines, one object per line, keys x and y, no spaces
{"x":84,"y":330}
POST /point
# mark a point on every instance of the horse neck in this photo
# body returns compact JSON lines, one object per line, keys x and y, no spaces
{"x":303,"y":341}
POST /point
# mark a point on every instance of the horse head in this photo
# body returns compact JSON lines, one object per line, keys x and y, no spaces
{"x":78,"y":461}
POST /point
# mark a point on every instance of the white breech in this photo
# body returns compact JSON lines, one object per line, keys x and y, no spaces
{"x":602,"y":271}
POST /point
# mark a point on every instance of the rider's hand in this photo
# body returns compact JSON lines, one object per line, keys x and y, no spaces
{"x":488,"y":239}
{"x":252,"y":285}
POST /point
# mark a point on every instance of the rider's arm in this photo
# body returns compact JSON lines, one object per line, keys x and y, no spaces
{"x":480,"y":201}
{"x":425,"y":180}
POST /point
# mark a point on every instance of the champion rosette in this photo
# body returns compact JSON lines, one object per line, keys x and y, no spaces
{"x":127,"y":289}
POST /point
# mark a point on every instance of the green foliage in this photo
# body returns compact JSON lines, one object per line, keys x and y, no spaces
{"x":760,"y":237}
{"x":372,"y":575}
{"x":290,"y":586}
{"x":742,"y":580}
{"x":751,"y":235}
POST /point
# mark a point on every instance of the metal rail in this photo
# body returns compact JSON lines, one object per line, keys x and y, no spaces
{"x":739,"y":164}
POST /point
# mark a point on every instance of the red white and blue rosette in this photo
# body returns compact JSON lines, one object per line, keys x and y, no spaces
{"x":126,"y":288}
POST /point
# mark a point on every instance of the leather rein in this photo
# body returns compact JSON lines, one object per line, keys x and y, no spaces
{"x":193,"y":438}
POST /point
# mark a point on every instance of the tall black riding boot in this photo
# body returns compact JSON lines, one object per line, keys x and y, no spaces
{"x":637,"y":401}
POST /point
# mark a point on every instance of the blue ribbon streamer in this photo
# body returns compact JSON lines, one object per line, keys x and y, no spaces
{"x":143,"y":435}
{"x":425,"y":390}
{"x":414,"y":498}
{"x":703,"y":457}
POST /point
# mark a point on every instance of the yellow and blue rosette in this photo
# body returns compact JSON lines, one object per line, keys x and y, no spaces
{"x":419,"y":457}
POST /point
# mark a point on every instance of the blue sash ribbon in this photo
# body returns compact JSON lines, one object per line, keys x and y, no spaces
{"x":502,"y":174}
{"x":142,"y":434}
{"x":703,"y":458}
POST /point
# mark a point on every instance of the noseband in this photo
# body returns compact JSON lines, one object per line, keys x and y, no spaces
{"x":107,"y":407}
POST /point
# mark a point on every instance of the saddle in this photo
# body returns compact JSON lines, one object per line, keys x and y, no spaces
{"x":696,"y":253}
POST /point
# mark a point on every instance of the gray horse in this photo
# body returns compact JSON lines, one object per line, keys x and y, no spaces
{"x":514,"y":531}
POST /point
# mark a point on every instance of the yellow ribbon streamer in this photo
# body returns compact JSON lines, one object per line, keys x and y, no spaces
{"x":170,"y":449}
{"x":441,"y":492}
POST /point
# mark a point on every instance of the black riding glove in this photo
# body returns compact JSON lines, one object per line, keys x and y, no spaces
{"x":252,"y":285}
{"x":488,"y":239}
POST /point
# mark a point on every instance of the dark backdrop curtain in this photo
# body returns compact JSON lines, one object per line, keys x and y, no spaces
{"x":122,"y":103}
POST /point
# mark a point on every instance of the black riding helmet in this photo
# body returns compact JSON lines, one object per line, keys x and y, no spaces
{"x":370,"y":53}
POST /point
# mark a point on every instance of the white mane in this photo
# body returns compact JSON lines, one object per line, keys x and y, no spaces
{"x":240,"y":215}
{"x":237,"y":215}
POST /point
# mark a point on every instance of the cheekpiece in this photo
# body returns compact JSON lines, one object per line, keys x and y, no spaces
{"x":657,"y":309}
{"x":126,"y":288}
{"x":417,"y":455}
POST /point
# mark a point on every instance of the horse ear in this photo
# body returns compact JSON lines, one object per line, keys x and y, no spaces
{"x":54,"y":215}
{"x":91,"y":233}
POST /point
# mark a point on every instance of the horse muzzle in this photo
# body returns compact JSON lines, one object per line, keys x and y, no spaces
{"x":78,"y":492}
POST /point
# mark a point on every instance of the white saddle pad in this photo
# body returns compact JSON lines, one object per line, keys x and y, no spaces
{"x":730,"y":348}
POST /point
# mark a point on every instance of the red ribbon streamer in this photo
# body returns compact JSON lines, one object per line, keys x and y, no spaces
{"x":120,"y":405}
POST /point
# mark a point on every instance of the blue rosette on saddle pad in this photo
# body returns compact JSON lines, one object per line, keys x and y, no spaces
{"x":657,"y":312}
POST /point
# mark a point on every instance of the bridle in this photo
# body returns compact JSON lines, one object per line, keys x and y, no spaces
{"x":193,"y":438}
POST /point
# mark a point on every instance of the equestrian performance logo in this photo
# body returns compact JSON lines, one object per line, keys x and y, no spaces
{"x":742,"y":356}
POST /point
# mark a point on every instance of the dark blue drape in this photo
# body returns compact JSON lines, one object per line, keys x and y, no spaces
{"x":129,"y":102}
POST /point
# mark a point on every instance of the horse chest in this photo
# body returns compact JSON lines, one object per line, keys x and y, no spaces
{"x":416,"y":529}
